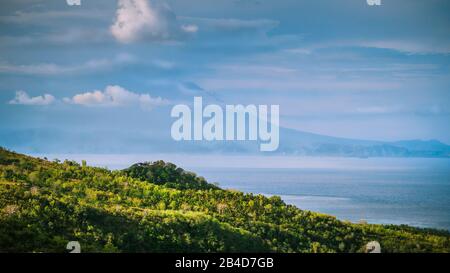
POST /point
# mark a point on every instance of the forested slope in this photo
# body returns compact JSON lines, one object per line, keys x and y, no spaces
{"x":158,"y":207}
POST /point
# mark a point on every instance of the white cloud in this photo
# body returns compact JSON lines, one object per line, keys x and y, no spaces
{"x":49,"y":16}
{"x":412,"y":47}
{"x":64,"y":37}
{"x":408,"y":46}
{"x":93,"y":65}
{"x":239,"y":25}
{"x":144,"y":20}
{"x":231,"y":25}
{"x":378,"y":110}
{"x":164,"y":64}
{"x":420,"y":109}
{"x":299,"y":50}
{"x":190,"y":28}
{"x":23,"y":98}
{"x":115,"y":95}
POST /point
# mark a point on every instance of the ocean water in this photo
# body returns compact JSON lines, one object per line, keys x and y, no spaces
{"x":412,"y":191}
{"x":415,"y":197}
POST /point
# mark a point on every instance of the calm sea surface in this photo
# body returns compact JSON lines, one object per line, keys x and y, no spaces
{"x":414,"y":197}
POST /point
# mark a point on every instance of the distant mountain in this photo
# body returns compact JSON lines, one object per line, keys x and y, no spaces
{"x":292,"y":142}
{"x":421,"y":145}
{"x":303,"y":143}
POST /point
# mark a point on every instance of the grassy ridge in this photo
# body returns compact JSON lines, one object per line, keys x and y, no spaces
{"x":157,"y":207}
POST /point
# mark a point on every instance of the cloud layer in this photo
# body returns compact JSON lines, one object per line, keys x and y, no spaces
{"x":142,"y":20}
{"x":24,"y":99}
{"x":52,"y":69}
{"x":115,"y":95}
{"x":112,"y":96}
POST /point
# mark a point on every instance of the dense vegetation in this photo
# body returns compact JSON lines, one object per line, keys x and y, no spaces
{"x":169,"y":175}
{"x":161,"y":208}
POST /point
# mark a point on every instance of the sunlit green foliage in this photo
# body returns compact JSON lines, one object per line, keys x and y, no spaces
{"x":157,"y":207}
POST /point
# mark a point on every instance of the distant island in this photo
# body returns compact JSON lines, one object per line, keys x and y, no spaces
{"x":292,"y":142}
{"x":304,"y":143}
{"x":159,"y":207}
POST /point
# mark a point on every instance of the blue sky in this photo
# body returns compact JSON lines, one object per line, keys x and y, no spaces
{"x":108,"y":72}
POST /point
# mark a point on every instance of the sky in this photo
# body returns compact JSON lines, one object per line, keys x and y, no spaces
{"x":107,"y":73}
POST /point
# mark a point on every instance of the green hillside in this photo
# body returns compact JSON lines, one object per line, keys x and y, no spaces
{"x":157,"y":207}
